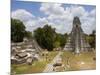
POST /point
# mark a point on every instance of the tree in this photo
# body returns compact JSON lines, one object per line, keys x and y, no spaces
{"x":45,"y":37}
{"x":91,"y":39}
{"x":63,"y":40}
{"x":39,"y":36}
{"x":28,"y":34}
{"x":17,"y":30}
{"x":60,"y":40}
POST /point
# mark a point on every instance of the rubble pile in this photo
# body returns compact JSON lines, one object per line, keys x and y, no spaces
{"x":24,"y":52}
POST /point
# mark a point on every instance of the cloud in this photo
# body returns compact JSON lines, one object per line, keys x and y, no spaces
{"x":62,"y":17}
{"x":58,"y":16}
{"x":52,"y":8}
{"x":22,"y":14}
{"x":89,"y":22}
{"x":26,"y":17}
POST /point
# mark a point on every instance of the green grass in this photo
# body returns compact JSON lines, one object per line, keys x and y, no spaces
{"x":51,"y":55}
{"x":75,"y":61}
{"x":36,"y":67}
{"x":25,"y":69}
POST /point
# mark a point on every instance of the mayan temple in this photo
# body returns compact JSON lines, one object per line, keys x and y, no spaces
{"x":76,"y":40}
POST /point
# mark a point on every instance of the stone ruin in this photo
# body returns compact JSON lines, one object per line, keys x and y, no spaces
{"x":77,"y":41}
{"x":25,"y":52}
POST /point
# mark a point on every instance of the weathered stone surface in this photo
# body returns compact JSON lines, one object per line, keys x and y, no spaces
{"x":29,"y":61}
{"x":25,"y":51}
{"x":76,"y":40}
{"x":21,"y":55}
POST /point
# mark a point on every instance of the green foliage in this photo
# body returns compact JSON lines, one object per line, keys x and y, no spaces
{"x":28,"y":34}
{"x":47,"y":38}
{"x":17,"y":30}
{"x":60,"y":40}
{"x":91,"y":39}
{"x":56,"y":44}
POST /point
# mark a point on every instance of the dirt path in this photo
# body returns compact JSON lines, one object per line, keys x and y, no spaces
{"x":49,"y":67}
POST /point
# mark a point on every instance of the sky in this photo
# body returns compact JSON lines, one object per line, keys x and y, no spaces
{"x":59,"y":16}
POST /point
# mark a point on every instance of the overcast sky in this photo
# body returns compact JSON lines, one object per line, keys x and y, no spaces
{"x":59,"y":16}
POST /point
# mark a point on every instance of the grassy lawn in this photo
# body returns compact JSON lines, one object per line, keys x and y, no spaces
{"x":50,"y":56}
{"x":71,"y":62}
{"x":36,"y":67}
{"x":84,"y":61}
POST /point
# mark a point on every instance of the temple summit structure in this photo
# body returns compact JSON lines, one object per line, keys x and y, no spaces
{"x":77,"y":39}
